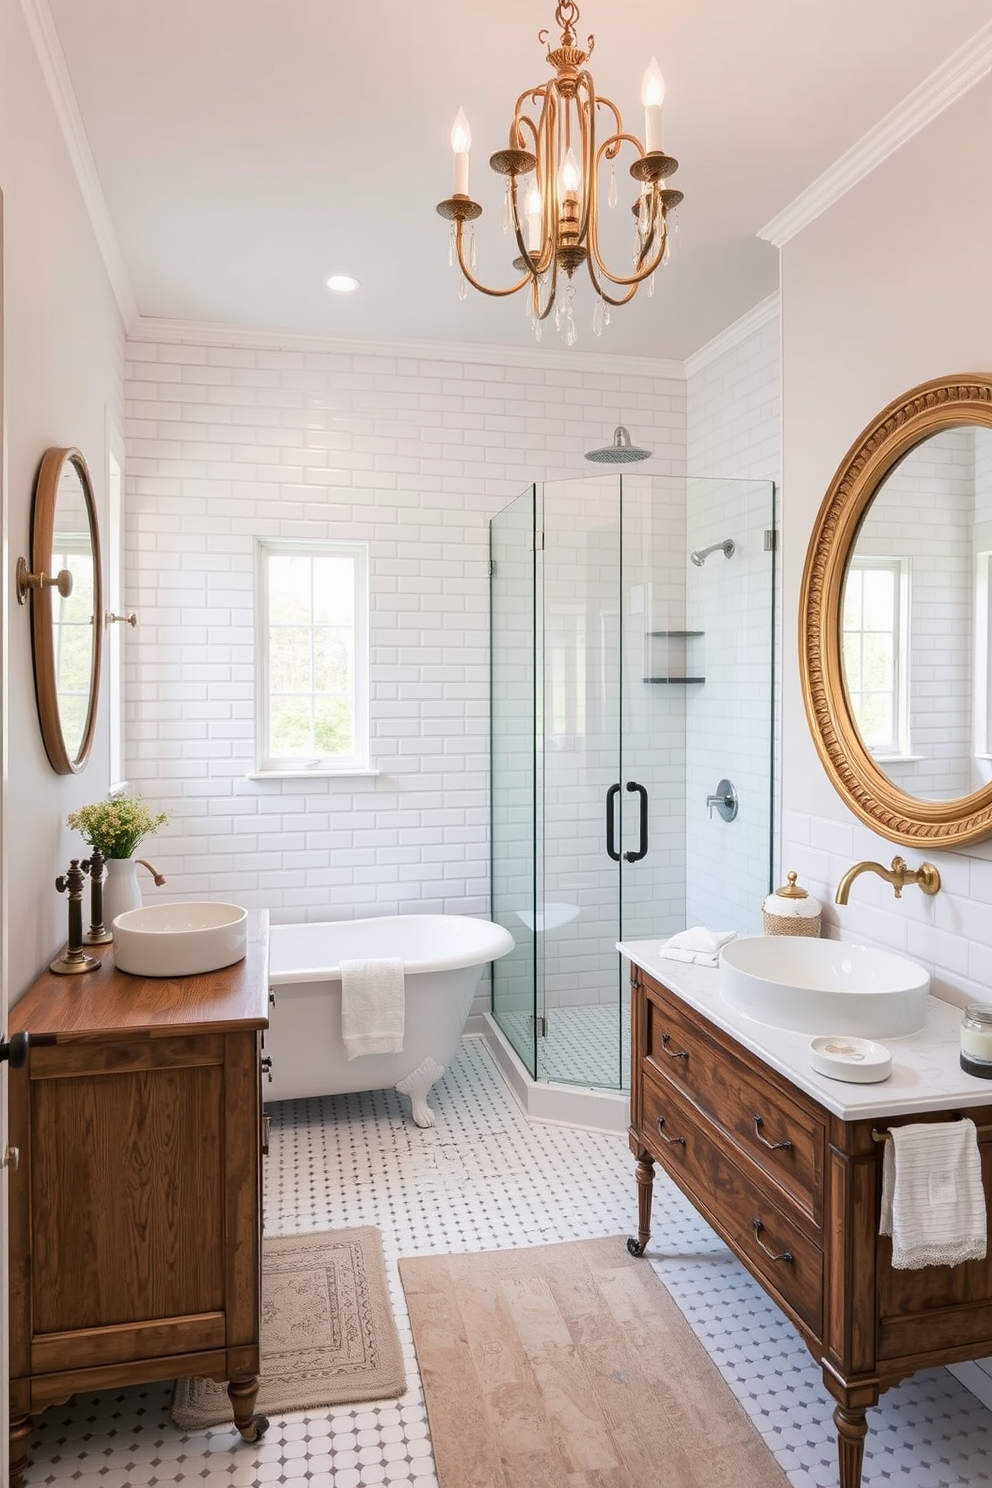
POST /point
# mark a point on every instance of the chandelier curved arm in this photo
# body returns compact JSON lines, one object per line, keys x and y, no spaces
{"x":477,"y":284}
{"x":535,"y":289}
{"x":612,"y":145}
{"x":610,"y":299}
{"x":586,"y":112}
{"x":657,"y":216}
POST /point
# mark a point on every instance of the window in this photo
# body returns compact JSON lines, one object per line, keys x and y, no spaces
{"x":874,"y":639}
{"x":312,"y":657}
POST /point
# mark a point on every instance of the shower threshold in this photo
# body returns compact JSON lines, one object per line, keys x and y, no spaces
{"x":584,"y":1106}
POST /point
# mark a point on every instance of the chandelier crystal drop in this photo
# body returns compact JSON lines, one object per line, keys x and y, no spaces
{"x":551,"y":206}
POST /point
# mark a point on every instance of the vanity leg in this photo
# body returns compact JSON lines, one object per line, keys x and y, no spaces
{"x":644,"y":1173}
{"x":242,"y":1395}
{"x":852,"y":1428}
{"x":20,"y":1441}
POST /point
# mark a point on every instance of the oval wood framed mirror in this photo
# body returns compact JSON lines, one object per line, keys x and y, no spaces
{"x":895,"y":618}
{"x":66,"y":618}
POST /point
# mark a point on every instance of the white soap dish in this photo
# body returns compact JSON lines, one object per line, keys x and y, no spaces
{"x":858,"y":1060}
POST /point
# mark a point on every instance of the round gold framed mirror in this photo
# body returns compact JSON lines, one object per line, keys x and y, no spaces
{"x":67,"y":610}
{"x":895,"y":618}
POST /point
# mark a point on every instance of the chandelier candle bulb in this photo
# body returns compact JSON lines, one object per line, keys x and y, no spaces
{"x":652,"y":97}
{"x":534,"y":213}
{"x":461,"y":143}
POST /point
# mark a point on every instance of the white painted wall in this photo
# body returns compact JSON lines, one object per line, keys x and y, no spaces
{"x":64,"y":360}
{"x":871,"y":306}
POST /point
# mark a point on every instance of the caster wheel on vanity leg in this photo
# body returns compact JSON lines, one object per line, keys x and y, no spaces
{"x":255,"y":1430}
{"x":635,"y":1247}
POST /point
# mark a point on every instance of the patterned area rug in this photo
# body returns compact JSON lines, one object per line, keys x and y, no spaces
{"x":560,"y":1365}
{"x":328,"y":1334}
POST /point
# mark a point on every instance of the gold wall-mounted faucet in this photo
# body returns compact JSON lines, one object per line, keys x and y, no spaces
{"x":899,"y":875}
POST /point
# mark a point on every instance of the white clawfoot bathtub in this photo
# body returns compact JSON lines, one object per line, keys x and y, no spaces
{"x":443,"y":959}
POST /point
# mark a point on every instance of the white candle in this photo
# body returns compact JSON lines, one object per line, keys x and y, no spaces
{"x":461,"y":143}
{"x":976,"y":1042}
{"x":652,"y":97}
{"x":534,"y":212}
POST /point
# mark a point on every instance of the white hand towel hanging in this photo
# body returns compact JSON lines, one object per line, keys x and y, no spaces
{"x":698,"y":945}
{"x":373,"y":1006}
{"x":933,"y":1202}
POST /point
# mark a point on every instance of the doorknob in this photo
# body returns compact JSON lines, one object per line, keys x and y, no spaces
{"x":15,"y":1050}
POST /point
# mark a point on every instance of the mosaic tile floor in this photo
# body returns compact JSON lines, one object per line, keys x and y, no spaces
{"x":486,"y":1177}
{"x":580,"y":1046}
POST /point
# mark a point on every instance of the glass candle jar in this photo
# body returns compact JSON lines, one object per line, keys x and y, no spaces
{"x":976,"y":1040}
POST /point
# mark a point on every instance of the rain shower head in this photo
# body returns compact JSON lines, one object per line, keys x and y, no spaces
{"x":620,"y":452}
{"x":728,"y":546}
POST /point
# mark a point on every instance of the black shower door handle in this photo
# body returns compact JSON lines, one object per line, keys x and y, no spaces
{"x":635,"y":857}
{"x":611,"y":822}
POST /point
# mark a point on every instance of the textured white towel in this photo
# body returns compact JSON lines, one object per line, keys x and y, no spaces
{"x":933,"y":1203}
{"x":698,"y":945}
{"x":373,"y":1006}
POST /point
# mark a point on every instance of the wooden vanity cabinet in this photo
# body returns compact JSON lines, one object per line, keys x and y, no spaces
{"x":794,"y":1191}
{"x":135,"y":1209}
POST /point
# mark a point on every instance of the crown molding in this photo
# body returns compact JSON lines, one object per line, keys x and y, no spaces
{"x":205,"y":333}
{"x":763,"y":314}
{"x":51,"y":59}
{"x":962,"y":70}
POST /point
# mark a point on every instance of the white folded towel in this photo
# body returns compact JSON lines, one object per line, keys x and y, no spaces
{"x":373,"y":1006}
{"x":933,"y":1203}
{"x":698,"y":945}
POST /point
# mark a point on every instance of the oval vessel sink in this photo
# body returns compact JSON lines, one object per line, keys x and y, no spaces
{"x":175,"y":940}
{"x":824,"y":986}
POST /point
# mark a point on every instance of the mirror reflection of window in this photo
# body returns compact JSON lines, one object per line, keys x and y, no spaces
{"x":924,"y":513}
{"x":875,"y":634}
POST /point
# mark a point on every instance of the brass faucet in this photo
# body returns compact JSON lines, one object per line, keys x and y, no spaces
{"x":898,"y":876}
{"x":158,"y":877}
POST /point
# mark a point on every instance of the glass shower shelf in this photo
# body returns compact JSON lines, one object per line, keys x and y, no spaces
{"x":673,"y":679}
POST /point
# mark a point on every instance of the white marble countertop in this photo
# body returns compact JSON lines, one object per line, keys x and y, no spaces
{"x":926,"y":1072}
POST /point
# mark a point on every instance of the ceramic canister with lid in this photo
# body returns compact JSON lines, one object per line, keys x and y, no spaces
{"x":791,"y":911}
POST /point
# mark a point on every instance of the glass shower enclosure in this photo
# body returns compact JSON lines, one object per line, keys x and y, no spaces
{"x":632,"y":636}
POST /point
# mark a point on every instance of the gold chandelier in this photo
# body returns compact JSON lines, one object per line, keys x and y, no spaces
{"x":552,"y":167}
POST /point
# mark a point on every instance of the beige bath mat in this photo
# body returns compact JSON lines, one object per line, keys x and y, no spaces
{"x":328,"y":1334}
{"x":555,"y":1365}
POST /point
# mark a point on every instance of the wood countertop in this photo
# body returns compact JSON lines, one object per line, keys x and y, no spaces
{"x":64,"y":1009}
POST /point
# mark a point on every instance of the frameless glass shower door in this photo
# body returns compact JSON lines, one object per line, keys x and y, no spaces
{"x":624,"y":675}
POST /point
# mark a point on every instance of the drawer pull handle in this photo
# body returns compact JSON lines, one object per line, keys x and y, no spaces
{"x":786,"y":1146}
{"x":672,"y":1141}
{"x":672,"y":1053}
{"x":784,"y":1255}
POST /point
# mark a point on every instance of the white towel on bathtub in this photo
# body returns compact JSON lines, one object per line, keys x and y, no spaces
{"x":373,"y":1006}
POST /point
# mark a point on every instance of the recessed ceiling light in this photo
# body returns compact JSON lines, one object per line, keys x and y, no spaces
{"x":342,"y":283}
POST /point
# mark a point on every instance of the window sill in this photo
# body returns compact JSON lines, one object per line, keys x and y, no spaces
{"x":350,"y":773}
{"x":897,"y":759}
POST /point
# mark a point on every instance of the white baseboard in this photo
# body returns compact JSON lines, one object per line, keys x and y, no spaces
{"x":543,"y":1100}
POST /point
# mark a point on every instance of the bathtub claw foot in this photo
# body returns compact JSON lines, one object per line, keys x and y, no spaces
{"x":416,"y":1085}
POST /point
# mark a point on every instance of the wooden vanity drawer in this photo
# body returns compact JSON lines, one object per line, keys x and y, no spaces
{"x":783,"y":1137}
{"x":741,"y":1207}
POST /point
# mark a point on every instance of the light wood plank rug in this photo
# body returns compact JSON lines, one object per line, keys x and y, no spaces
{"x":328,"y":1334}
{"x":570,"y":1366}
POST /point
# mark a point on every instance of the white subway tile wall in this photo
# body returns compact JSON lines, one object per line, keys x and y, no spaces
{"x":733,"y":431}
{"x":411,"y":450}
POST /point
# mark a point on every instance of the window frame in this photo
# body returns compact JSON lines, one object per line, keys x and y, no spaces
{"x":358,"y":762}
{"x":900,"y":745}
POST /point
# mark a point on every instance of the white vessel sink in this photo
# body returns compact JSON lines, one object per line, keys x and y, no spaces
{"x":824,"y":986}
{"x":175,"y":940}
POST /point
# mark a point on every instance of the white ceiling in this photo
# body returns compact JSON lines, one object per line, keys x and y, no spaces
{"x":248,"y":148}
